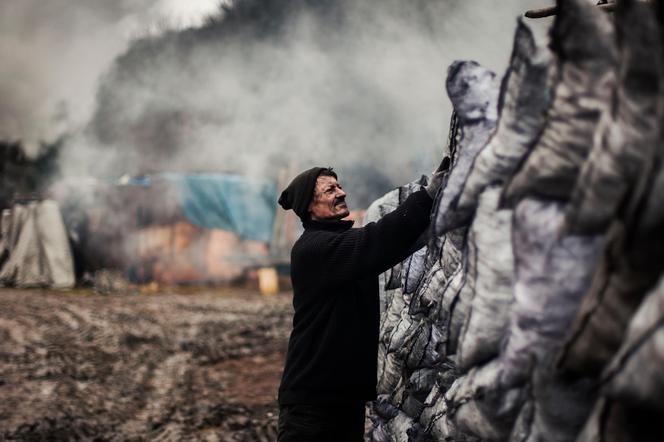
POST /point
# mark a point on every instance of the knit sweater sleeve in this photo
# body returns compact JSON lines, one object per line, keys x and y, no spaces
{"x":372,"y":249}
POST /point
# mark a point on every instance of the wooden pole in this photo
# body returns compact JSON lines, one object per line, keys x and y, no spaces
{"x":553,"y":10}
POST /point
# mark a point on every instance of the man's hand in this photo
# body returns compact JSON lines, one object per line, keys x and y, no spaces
{"x":437,"y":177}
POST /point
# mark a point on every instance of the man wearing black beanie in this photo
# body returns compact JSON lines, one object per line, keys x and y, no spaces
{"x":330,"y":370}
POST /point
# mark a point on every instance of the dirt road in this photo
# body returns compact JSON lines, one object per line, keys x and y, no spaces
{"x":200,"y":366}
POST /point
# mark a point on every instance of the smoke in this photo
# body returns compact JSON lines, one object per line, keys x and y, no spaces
{"x":264,"y":85}
{"x":53,"y":53}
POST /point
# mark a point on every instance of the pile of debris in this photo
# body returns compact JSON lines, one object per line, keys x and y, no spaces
{"x":536,"y":310}
{"x":167,"y":228}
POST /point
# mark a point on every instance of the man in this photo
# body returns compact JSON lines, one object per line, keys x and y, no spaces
{"x":330,"y":370}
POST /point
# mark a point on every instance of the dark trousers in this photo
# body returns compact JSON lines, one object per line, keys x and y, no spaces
{"x":321,"y":423}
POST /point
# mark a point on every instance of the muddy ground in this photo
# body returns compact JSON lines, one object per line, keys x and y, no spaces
{"x":175,"y":366}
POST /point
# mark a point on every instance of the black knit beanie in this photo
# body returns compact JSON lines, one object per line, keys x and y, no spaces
{"x":300,"y":191}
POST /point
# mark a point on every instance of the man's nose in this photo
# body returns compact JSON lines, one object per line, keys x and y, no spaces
{"x":340,"y":192}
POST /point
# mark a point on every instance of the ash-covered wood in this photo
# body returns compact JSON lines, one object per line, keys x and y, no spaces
{"x":525,"y":96}
{"x":490,"y":247}
{"x":583,"y":40}
{"x":628,"y":135}
{"x":473,"y":91}
{"x":541,"y":284}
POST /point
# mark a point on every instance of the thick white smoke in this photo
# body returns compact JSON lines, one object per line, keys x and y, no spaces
{"x":53,"y":53}
{"x":360,"y":88}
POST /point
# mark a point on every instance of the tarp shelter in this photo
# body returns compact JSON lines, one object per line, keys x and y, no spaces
{"x":245,"y":206}
{"x":34,"y":248}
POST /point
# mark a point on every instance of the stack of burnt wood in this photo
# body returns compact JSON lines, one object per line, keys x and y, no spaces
{"x":536,"y":310}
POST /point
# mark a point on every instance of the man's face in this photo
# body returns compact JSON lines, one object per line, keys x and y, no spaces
{"x":329,"y":202}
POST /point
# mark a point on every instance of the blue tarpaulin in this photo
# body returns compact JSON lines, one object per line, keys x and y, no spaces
{"x":239,"y":204}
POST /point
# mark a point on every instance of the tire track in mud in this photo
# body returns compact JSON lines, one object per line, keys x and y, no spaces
{"x":162,"y":367}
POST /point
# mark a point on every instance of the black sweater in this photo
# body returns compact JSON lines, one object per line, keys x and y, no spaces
{"x":333,"y":348}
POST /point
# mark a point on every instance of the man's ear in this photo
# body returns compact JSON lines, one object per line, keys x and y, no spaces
{"x":313,"y":199}
{"x":310,"y":209}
